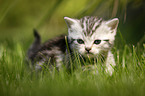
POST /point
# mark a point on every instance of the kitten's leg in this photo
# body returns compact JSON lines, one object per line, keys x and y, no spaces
{"x":110,"y":63}
{"x":38,"y":66}
{"x":59,"y":61}
{"x":42,"y":65}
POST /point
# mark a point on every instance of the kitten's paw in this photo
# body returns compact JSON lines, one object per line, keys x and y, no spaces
{"x":109,"y":71}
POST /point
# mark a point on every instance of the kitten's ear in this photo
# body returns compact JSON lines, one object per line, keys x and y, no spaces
{"x":70,"y":21}
{"x":113,"y":23}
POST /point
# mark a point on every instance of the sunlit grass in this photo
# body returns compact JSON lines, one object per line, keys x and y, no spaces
{"x":17,"y":20}
{"x":17,"y":79}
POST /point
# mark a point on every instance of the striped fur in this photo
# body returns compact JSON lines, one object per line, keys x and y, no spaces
{"x":90,"y":29}
{"x":90,"y":24}
{"x":83,"y":35}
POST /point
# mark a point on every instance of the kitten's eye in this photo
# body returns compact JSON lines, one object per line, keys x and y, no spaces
{"x":80,"y":41}
{"x":97,"y":41}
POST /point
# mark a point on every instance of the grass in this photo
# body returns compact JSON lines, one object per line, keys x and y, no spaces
{"x":17,"y":19}
{"x":16,"y":78}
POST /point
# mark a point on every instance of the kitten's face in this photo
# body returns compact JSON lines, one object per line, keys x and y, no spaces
{"x":90,"y":36}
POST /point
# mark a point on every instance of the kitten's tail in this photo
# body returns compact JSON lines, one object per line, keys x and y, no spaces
{"x":35,"y":45}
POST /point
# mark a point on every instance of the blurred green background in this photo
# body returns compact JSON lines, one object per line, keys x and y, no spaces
{"x":18,"y":18}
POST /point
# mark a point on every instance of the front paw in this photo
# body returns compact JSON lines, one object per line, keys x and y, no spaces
{"x":109,"y":70}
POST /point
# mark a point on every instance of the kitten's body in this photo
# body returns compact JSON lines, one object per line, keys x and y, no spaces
{"x":51,"y":51}
{"x":89,"y":37}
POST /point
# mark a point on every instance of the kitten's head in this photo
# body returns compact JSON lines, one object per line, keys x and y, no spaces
{"x":91,"y":35}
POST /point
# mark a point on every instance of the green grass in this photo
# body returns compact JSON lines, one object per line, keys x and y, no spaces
{"x":17,"y":19}
{"x":16,"y":79}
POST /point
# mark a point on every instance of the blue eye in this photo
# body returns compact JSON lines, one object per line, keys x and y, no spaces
{"x":80,"y":41}
{"x":97,"y":41}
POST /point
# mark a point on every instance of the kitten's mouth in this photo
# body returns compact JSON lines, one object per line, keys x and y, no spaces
{"x":89,"y":55}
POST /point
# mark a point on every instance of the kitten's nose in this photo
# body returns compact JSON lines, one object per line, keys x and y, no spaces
{"x":87,"y":49}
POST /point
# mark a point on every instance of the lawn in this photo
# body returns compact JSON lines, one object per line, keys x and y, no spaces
{"x":19,"y":17}
{"x":17,"y":79}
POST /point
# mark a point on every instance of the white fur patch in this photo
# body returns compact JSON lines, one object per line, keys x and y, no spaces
{"x":105,"y":32}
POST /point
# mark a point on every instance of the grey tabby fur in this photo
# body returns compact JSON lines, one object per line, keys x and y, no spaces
{"x":90,"y":37}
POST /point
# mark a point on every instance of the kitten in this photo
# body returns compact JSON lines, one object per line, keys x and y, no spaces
{"x":89,"y":37}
